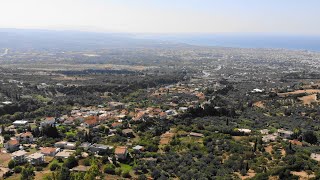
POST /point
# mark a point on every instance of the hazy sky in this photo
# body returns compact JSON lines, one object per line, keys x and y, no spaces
{"x":164,"y":16}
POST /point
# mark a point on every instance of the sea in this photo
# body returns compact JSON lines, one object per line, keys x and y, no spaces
{"x":277,"y":41}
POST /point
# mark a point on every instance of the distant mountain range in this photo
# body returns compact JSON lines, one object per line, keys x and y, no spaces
{"x":78,"y":40}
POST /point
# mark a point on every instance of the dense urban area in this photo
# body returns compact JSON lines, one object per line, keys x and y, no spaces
{"x":179,"y":112}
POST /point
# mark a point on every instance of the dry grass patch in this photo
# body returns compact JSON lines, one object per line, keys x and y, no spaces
{"x":303,"y":175}
{"x":269,"y":149}
{"x":4,"y":159}
{"x":239,"y":138}
{"x":166,"y":138}
{"x":259,"y":104}
{"x":250,"y":174}
{"x":39,"y":175}
{"x":307,"y":91}
{"x":307,"y":100}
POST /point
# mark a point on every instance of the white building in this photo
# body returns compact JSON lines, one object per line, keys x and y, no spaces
{"x":20,"y":123}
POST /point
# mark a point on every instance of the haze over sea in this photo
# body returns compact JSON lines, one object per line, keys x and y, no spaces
{"x":292,"y":42}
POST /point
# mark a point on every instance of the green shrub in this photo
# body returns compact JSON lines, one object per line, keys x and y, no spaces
{"x":109,"y":169}
{"x":11,"y":164}
{"x":86,"y":162}
{"x":125,"y":174}
{"x":17,"y":169}
{"x":39,"y":168}
{"x":54,"y":166}
{"x":118,"y":171}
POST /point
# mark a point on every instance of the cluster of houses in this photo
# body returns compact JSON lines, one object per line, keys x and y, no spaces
{"x":92,"y":117}
{"x":86,"y":118}
{"x":61,"y":150}
{"x":281,"y":133}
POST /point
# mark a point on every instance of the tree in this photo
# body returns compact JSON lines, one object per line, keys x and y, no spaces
{"x":11,"y":164}
{"x":63,"y":173}
{"x":2,"y":130}
{"x":310,"y":137}
{"x":142,"y":177}
{"x":126,"y":174}
{"x":54,"y":166}
{"x":6,"y":137}
{"x":156,"y":174}
{"x":71,"y":162}
{"x":109,"y":169}
{"x":51,"y":131}
{"x":27,"y":173}
{"x":17,"y":169}
{"x":92,"y":173}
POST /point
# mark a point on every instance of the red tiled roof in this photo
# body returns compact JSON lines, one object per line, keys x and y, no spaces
{"x":13,"y":142}
{"x":49,"y":118}
{"x":120,"y":150}
{"x":48,"y":150}
{"x":163,"y":114}
{"x":26,"y":134}
{"x":91,"y":120}
{"x":115,"y":124}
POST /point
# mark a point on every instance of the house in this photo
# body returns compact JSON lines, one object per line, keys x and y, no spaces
{"x":36,"y":158}
{"x":20,"y":123}
{"x":256,"y":90}
{"x":128,"y":132}
{"x":85,"y":146}
{"x":264,"y":131}
{"x":19,"y":156}
{"x":196,"y":134}
{"x":171,"y":112}
{"x":80,"y":168}
{"x":162,"y":115}
{"x":6,"y":102}
{"x":296,"y":142}
{"x":140,"y":115}
{"x":116,"y":125}
{"x":91,"y":121}
{"x":48,"y":121}
{"x":70,"y":145}
{"x":49,"y":151}
{"x":270,"y":137}
{"x":99,"y":148}
{"x":138,"y":148}
{"x":245,"y":131}
{"x":284,"y":133}
{"x":69,"y":121}
{"x":116,"y":105}
{"x":26,"y":137}
{"x":79,"y":119}
{"x":65,"y":154}
{"x":65,"y":145}
{"x":60,"y":144}
{"x":121,"y":152}
{"x":183,"y":109}
{"x":12,"y":145}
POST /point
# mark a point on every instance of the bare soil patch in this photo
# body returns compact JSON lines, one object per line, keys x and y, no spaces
{"x":307,"y":91}
{"x":259,"y":104}
{"x":307,"y":100}
{"x":4,"y":159}
{"x":249,"y":175}
{"x":303,"y":175}
{"x":166,"y":138}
